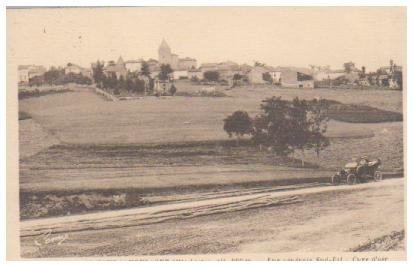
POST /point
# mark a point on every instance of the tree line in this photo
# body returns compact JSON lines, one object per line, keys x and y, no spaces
{"x":57,"y":76}
{"x":136,"y":82}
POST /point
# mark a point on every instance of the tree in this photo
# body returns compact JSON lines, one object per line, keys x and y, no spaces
{"x":259,"y":130}
{"x":111,"y":81}
{"x":275,"y":111}
{"x":165,"y":72}
{"x":97,"y":70}
{"x":212,"y":76}
{"x":398,"y":77}
{"x":145,"y":69}
{"x":72,"y":78}
{"x":173,"y":89}
{"x":238,"y":124}
{"x":121,"y":83}
{"x":52,"y":75}
{"x":267,"y":77}
{"x":363,"y":72}
{"x":299,"y":136}
{"x":349,"y":66}
{"x":130,"y":83}
{"x":318,"y":119}
{"x":287,"y":126}
{"x":36,"y":81}
{"x":236,"y":79}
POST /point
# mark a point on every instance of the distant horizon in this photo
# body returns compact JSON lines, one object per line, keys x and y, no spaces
{"x":200,"y":63}
{"x":277,"y":36}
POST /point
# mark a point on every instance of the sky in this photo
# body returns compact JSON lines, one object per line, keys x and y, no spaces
{"x":277,"y":36}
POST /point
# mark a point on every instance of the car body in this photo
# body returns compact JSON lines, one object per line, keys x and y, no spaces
{"x":358,"y":171}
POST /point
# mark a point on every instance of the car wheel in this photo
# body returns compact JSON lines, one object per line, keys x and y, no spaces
{"x":335,"y":179}
{"x":351,"y":179}
{"x":378,"y":176}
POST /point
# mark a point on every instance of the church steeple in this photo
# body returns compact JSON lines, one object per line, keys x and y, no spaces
{"x":164,"y":53}
{"x":120,"y":61}
{"x":164,"y":46}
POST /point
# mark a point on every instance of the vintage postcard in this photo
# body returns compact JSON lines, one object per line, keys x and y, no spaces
{"x":213,"y":133}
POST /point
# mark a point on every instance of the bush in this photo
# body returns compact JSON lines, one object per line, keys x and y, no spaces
{"x":267,"y":77}
{"x":238,"y":124}
{"x":36,"y":81}
{"x":212,"y":76}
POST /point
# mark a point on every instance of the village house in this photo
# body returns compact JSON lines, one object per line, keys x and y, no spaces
{"x":325,"y":76}
{"x":73,"y":68}
{"x":321,"y":73}
{"x":245,"y":68}
{"x":153,"y":64}
{"x":76,"y":69}
{"x":391,"y":76}
{"x":196,"y":74}
{"x":256,"y":74}
{"x":154,"y":67}
{"x":133,"y":65}
{"x":287,"y":77}
{"x":187,"y":63}
{"x":295,"y":79}
{"x":390,"y":69}
{"x":26,"y":72}
{"x":117,"y":69}
{"x":208,"y":67}
{"x":180,"y":74}
{"x":228,"y":69}
{"x":227,"y":65}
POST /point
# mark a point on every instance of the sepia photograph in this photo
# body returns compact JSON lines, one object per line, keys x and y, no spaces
{"x":217,"y":132}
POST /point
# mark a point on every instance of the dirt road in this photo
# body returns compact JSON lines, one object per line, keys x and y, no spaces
{"x":329,"y":218}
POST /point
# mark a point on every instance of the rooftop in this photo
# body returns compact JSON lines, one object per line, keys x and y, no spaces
{"x":187,"y":59}
{"x":133,"y":61}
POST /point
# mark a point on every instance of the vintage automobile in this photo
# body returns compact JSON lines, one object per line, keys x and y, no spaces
{"x":359,"y":171}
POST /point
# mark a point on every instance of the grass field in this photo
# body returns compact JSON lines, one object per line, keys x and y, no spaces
{"x":78,"y":143}
{"x":383,"y":99}
{"x":83,"y":118}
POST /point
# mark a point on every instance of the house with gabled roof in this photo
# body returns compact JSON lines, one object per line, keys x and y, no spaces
{"x":118,"y":69}
{"x":27,"y":72}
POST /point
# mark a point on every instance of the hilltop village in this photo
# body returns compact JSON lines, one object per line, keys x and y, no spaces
{"x":160,"y":76}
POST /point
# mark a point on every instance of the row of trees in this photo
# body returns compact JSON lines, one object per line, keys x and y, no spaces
{"x":57,"y":76}
{"x":141,"y":82}
{"x":283,"y":126}
{"x":131,"y":82}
